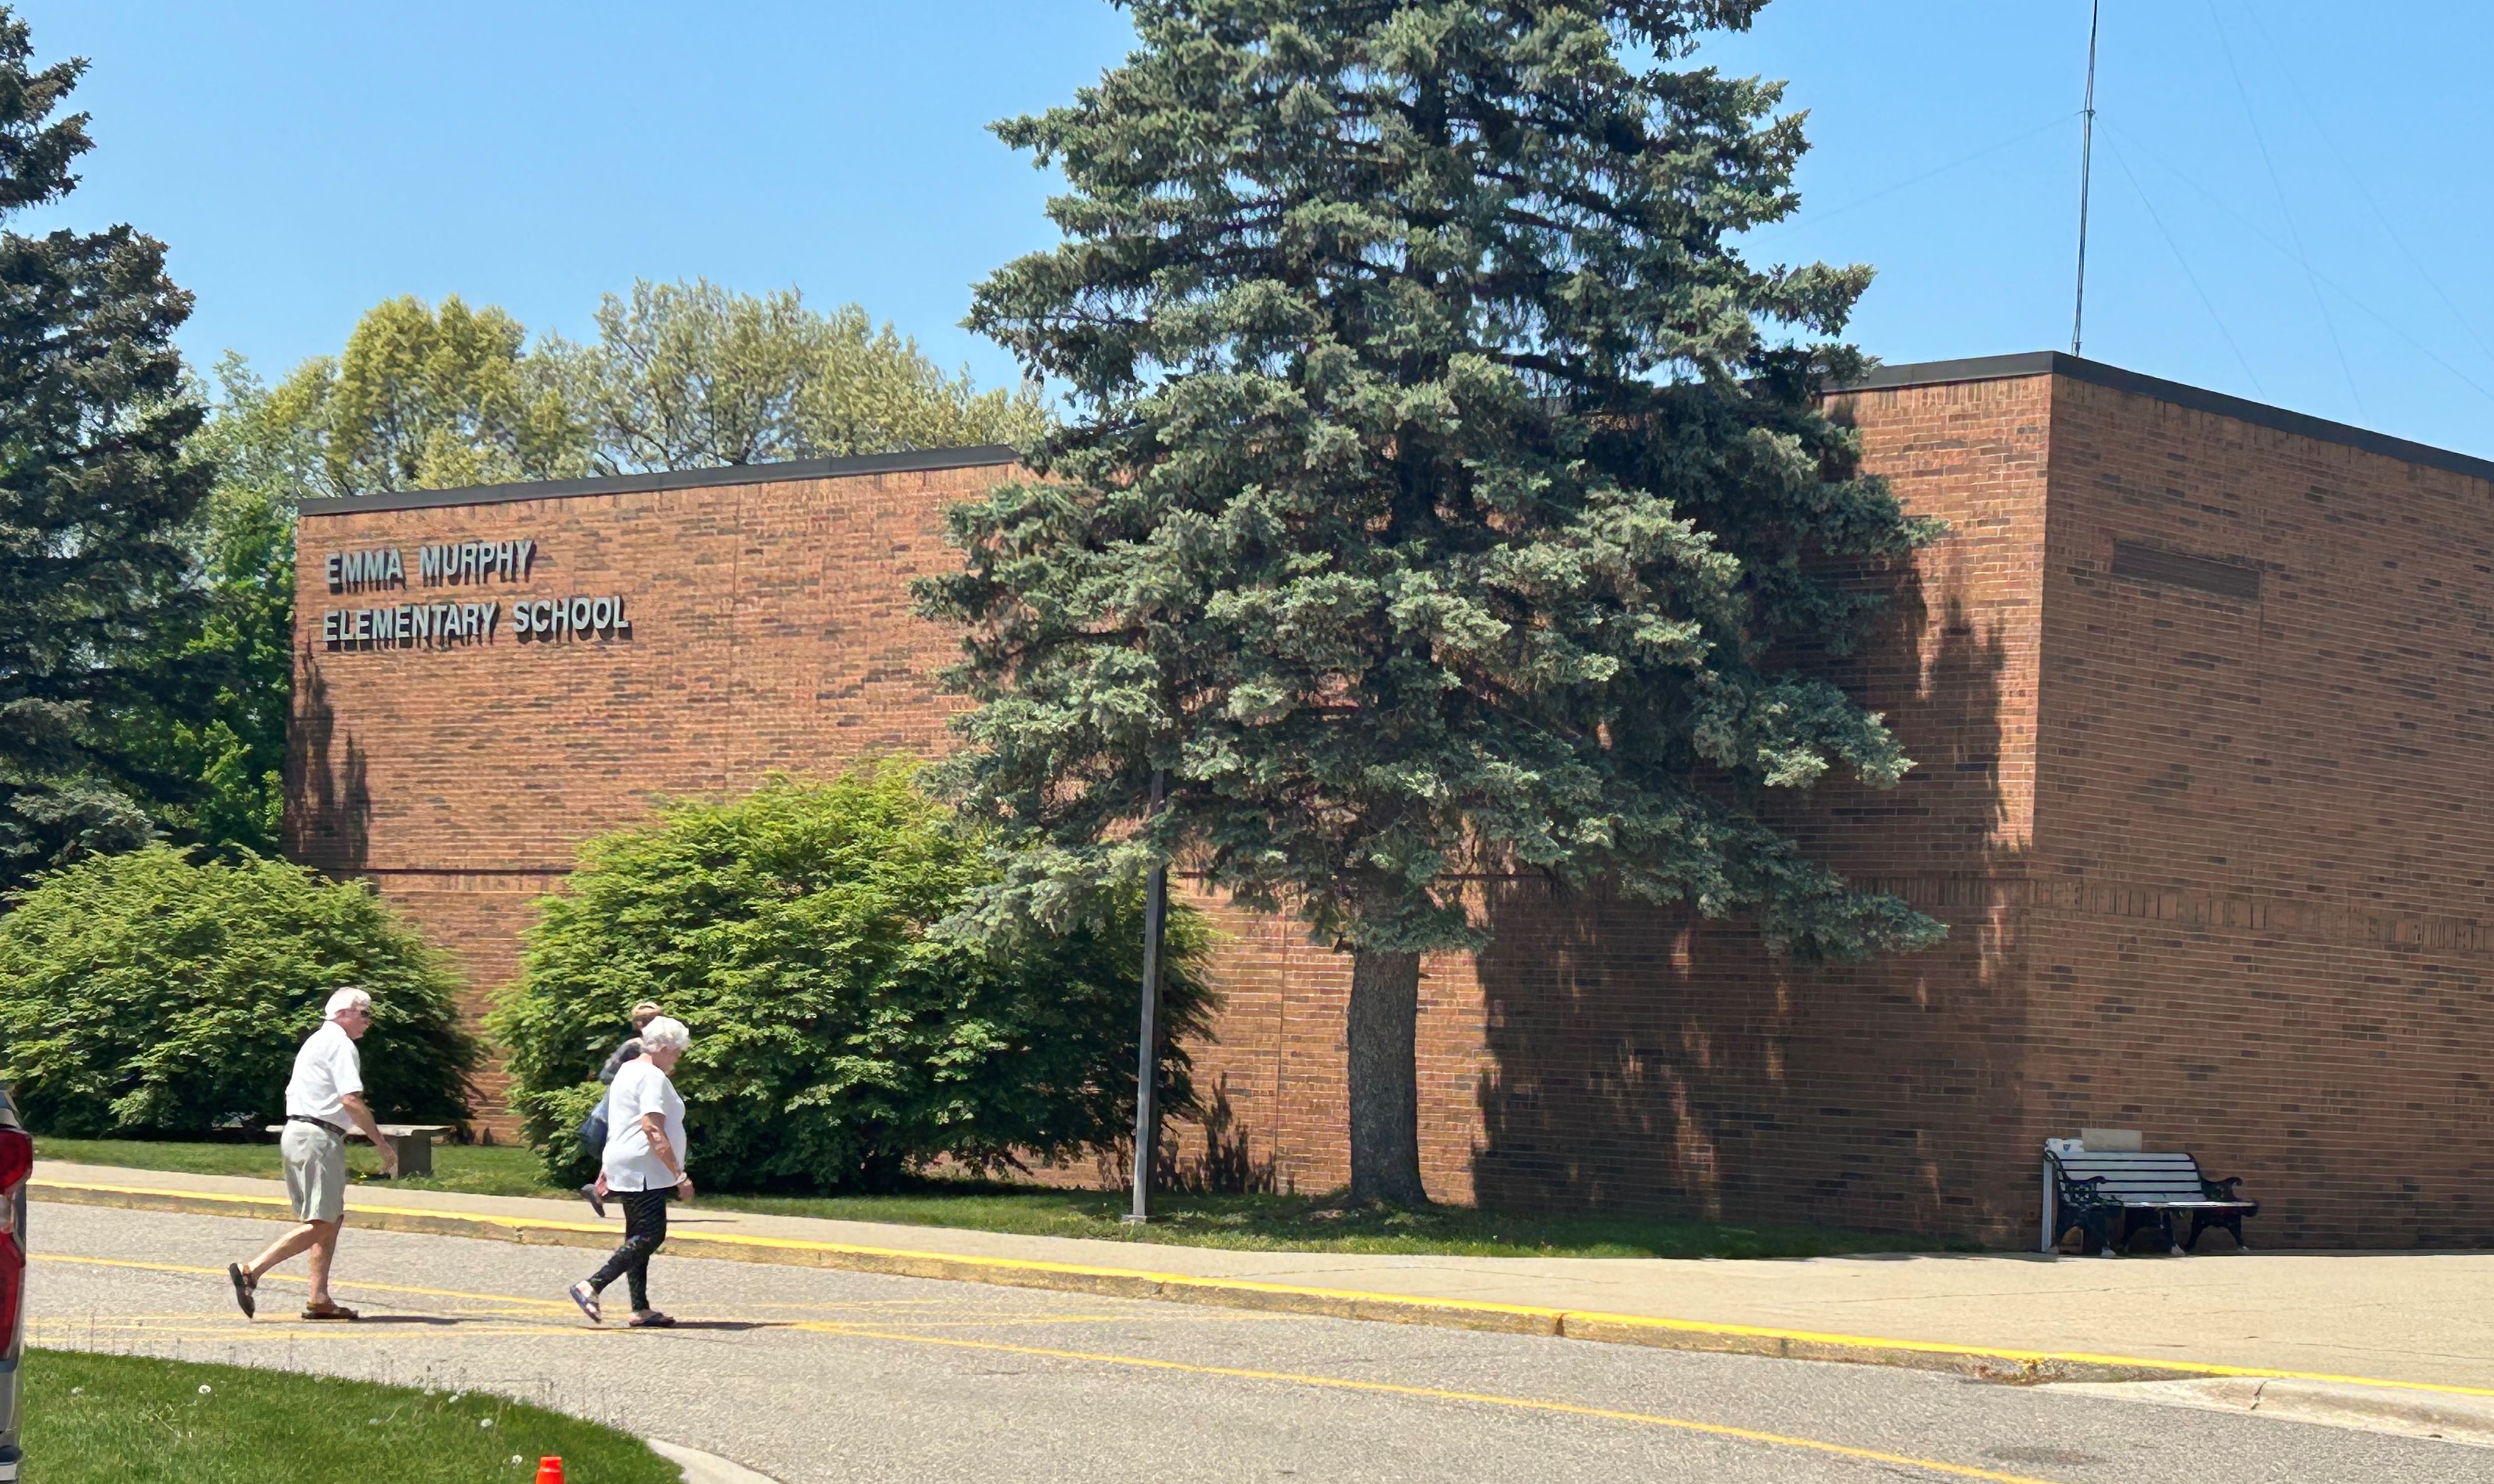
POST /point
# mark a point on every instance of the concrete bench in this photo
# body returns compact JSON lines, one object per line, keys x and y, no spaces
{"x":2109,"y":1197}
{"x":414,"y":1142}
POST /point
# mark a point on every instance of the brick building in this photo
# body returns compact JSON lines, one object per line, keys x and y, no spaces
{"x":2202,"y":693}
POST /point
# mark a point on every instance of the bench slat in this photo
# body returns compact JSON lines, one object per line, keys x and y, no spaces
{"x":2132,"y":1181}
{"x":2150,"y":1180}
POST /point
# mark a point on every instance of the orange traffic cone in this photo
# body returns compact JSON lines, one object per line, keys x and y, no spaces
{"x":549,"y":1471}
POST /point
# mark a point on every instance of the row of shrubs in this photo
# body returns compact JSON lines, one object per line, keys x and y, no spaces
{"x":843,"y":1036}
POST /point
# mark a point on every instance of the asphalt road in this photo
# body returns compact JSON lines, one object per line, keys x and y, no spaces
{"x":821,"y":1377}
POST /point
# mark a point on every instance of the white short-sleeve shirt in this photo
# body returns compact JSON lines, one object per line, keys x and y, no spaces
{"x":325,"y":1070}
{"x":640,"y":1087}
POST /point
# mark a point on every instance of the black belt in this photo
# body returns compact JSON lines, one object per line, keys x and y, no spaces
{"x":317,"y":1122}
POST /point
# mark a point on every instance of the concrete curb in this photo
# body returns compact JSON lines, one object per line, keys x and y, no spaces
{"x":1980,"y":1363}
{"x":706,"y":1468}
{"x":2448,"y":1418}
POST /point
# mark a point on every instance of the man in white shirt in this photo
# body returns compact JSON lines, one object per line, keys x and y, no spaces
{"x":326,"y":1090}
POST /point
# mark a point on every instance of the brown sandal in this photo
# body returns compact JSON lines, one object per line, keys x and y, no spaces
{"x":331,"y":1312}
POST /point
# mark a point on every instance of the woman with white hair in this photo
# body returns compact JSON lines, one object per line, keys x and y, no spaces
{"x":644,"y":1166}
{"x":595,"y":1129}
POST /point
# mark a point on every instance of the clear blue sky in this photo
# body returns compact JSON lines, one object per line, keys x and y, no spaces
{"x":304,"y":160}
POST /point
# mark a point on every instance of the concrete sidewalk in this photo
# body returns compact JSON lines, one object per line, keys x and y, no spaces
{"x":2415,"y":1319}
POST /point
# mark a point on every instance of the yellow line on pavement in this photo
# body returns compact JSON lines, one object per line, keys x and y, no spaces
{"x":561,"y":1307}
{"x":1437,"y":1394}
{"x":65,"y":1333}
{"x":284,"y":1326}
{"x":558,"y":1306}
{"x":244,"y":1331}
{"x":1248,"y":1293}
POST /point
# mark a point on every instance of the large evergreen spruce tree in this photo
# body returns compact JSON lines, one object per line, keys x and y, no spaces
{"x":1444,"y":489}
{"x":95,"y":491}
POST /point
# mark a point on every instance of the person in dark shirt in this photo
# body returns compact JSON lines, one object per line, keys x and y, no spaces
{"x":642,"y":1014}
{"x":595,"y":1192}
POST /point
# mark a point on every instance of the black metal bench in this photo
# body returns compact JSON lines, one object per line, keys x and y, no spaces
{"x":2109,"y":1197}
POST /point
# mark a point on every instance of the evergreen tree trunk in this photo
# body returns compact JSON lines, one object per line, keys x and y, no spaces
{"x":1384,"y":1079}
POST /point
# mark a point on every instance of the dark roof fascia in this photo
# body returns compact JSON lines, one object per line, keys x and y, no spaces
{"x":2037,"y":363}
{"x":979,"y":456}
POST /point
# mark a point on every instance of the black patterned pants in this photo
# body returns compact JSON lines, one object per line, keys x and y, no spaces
{"x":645,"y":1227}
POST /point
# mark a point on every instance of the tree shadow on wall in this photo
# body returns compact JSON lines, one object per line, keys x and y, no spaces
{"x":1225,"y":1164}
{"x":1646,"y":1060}
{"x":328,"y":797}
{"x":1209,"y":1154}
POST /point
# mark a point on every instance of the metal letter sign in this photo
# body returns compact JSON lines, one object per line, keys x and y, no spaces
{"x":440,"y":625}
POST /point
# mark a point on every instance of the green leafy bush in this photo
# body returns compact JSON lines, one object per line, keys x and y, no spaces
{"x":839,"y":1039}
{"x":146,"y":992}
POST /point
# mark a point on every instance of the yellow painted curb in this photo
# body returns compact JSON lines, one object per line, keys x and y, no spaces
{"x":1981,"y":1362}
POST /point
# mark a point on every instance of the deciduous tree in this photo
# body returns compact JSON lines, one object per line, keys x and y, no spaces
{"x":427,"y":398}
{"x":216,"y":739}
{"x":148,"y":993}
{"x":1444,"y":494}
{"x":838,"y":1036}
{"x":693,"y":376}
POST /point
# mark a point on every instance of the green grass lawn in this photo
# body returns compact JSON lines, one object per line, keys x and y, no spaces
{"x":479,"y":1169}
{"x":1262,"y":1222}
{"x":126,"y":1419}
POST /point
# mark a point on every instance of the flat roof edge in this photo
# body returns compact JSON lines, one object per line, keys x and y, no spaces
{"x":2199,"y":399}
{"x":916,"y":460}
{"x":1980,"y":368}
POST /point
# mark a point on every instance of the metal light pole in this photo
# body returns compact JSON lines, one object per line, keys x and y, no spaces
{"x":2087,"y":176}
{"x":1147,"y":1053}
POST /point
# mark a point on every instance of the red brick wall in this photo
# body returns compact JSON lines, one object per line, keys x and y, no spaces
{"x":2214,"y":869}
{"x":1614,"y":1053}
{"x":1603,"y":1053}
{"x":769,"y":630}
{"x":2264,"y":843}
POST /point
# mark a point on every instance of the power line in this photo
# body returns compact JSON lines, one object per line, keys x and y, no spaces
{"x":2184,"y":264}
{"x":2283,"y":209}
{"x":2381,"y":218}
{"x":1883,"y":191}
{"x":2218,"y":202}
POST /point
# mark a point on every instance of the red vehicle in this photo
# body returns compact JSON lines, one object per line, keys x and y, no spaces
{"x":16,"y":1162}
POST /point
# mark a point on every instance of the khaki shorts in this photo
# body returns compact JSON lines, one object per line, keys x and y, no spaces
{"x":316,"y":1172}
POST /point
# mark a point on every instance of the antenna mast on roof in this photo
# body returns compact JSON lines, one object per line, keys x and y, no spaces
{"x":2086,"y":172}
